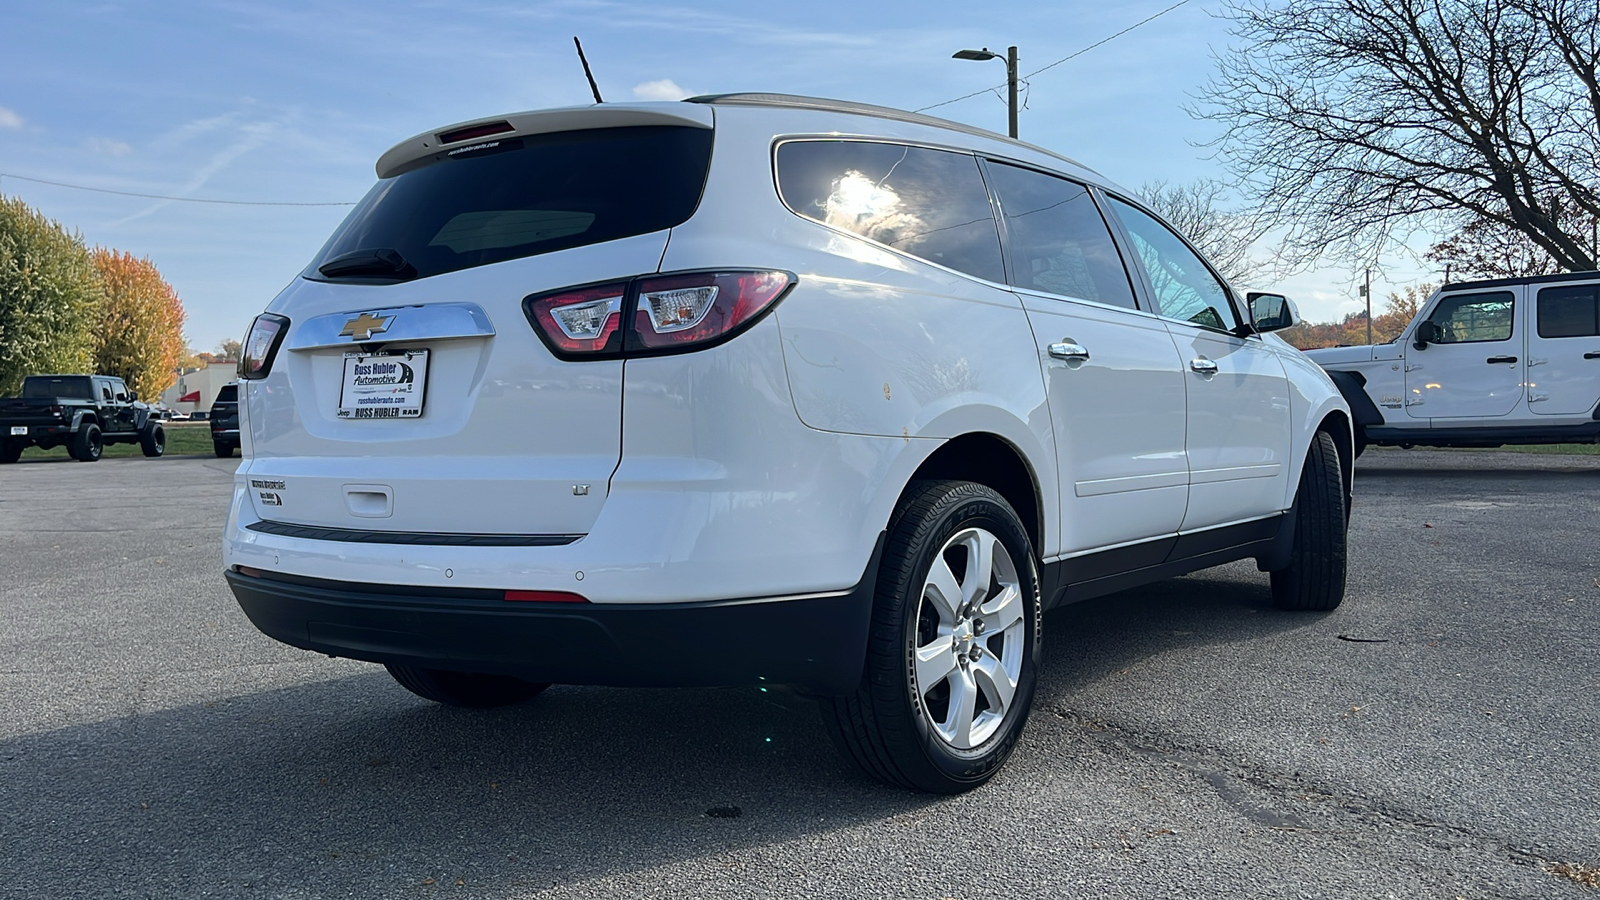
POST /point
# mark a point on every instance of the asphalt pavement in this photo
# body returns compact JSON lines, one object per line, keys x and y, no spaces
{"x":1434,"y":737}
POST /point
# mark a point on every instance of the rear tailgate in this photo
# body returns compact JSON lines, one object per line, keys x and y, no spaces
{"x":426,"y":402}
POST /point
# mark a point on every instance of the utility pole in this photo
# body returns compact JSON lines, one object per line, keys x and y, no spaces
{"x":1366,"y":291}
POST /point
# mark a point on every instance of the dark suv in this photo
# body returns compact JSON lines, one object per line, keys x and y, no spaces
{"x":225,"y":420}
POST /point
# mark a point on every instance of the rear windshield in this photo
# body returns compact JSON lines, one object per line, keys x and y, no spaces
{"x":228,"y":394}
{"x":36,"y":388}
{"x":524,"y":196}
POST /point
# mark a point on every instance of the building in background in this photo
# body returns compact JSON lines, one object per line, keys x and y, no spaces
{"x":195,"y":389}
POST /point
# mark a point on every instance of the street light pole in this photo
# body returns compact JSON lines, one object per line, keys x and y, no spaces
{"x":1011,"y":84}
{"x":1011,"y":75}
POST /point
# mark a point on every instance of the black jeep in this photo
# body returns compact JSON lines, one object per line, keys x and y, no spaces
{"x":82,"y":412}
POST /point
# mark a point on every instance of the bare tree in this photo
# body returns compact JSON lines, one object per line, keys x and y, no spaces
{"x":1487,"y":249}
{"x":1355,"y":122}
{"x":1199,"y":210}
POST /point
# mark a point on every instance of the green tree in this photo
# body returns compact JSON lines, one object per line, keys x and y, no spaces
{"x":49,"y":293}
{"x":139,"y":335}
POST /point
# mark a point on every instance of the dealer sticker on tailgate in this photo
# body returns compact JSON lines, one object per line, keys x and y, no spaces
{"x":383,"y":384}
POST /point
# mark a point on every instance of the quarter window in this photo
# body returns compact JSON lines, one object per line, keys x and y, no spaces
{"x":1183,"y":284}
{"x":1059,"y":242}
{"x":928,"y":203}
{"x":1569,"y":311}
{"x":1474,"y":318}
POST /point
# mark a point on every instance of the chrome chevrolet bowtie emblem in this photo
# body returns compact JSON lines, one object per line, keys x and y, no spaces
{"x":365,"y":326}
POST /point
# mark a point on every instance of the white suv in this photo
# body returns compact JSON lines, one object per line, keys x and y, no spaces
{"x":757,"y":389}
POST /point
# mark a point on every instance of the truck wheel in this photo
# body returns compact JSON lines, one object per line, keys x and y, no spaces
{"x":464,"y":688}
{"x":86,"y":445}
{"x":11,"y":451}
{"x":953,"y":647}
{"x":1314,"y":578}
{"x":222,"y":449}
{"x":153,"y":440}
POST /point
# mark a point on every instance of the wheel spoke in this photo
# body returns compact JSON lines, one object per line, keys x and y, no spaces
{"x":980,"y":566}
{"x":934,"y":662}
{"x":943,"y":589}
{"x":963,"y":702}
{"x":996,"y":683}
{"x":1003,"y":611}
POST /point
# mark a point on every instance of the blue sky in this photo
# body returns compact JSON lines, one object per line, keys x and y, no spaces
{"x":294,"y":102}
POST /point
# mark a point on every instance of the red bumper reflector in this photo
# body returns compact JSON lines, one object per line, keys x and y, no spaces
{"x":546,"y":597}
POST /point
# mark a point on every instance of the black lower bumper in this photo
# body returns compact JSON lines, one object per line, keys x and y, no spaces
{"x":817,"y":642}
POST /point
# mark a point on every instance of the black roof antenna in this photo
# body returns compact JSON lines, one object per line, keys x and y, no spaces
{"x":594,"y":88}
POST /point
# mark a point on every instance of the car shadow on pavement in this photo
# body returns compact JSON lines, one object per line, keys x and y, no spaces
{"x":352,"y":786}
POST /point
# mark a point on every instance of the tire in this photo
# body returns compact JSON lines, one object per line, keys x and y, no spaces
{"x":86,"y":445}
{"x":463,"y":688}
{"x":1315,"y":576}
{"x":906,"y":723}
{"x":11,"y":451}
{"x":222,"y":449}
{"x":153,"y":440}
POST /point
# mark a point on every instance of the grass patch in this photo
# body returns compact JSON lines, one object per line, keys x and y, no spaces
{"x":183,"y":439}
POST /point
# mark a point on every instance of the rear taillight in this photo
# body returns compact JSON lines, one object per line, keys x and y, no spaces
{"x":582,"y":321}
{"x":261,"y":344}
{"x":57,"y":411}
{"x":667,"y":313}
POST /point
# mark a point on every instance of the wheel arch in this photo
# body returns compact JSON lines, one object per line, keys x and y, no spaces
{"x":1338,"y":426}
{"x":990,"y":460}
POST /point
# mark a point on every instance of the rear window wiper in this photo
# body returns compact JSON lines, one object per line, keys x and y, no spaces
{"x":381,"y":263}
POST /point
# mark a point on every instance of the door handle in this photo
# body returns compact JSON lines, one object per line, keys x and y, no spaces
{"x":1501,"y":359}
{"x":1592,"y":354}
{"x":1203,"y":366}
{"x":1069,"y":349}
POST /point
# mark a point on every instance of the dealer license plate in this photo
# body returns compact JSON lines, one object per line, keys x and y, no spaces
{"x":385,"y":384}
{"x":19,"y":429}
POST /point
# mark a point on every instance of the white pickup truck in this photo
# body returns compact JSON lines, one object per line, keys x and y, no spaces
{"x":1484,"y":363}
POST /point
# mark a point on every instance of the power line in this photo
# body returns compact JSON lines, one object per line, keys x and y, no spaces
{"x":1063,"y":59}
{"x":81,"y":187}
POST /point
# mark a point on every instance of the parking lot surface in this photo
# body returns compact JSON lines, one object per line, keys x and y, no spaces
{"x":1434,"y":737}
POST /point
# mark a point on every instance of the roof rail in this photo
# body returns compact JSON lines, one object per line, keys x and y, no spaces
{"x":1521,"y":279}
{"x":796,"y":101}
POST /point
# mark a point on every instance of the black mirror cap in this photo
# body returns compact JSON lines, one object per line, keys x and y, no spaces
{"x":1427,"y":333}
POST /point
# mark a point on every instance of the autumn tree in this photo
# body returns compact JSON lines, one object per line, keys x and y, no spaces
{"x":139,"y":335}
{"x":1399,"y":309}
{"x":49,"y":291}
{"x":229,"y":349}
{"x":1353,"y":123}
{"x":1199,"y":210}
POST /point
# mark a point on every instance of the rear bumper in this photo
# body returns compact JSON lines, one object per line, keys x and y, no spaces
{"x":815,"y":641}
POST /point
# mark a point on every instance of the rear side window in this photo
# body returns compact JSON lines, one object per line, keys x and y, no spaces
{"x":1474,"y":318}
{"x":523,"y":196}
{"x":928,"y":203}
{"x":1569,"y":311}
{"x":1059,"y":242}
{"x":56,"y":388}
{"x":228,"y":394}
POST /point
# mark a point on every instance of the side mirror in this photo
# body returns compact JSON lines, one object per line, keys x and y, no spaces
{"x":133,"y":396}
{"x":1427,"y":333}
{"x":1272,"y":312}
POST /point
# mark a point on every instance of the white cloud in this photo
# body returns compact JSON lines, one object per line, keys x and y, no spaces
{"x":664,"y":89}
{"x":107,"y":146}
{"x":9,"y":118}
